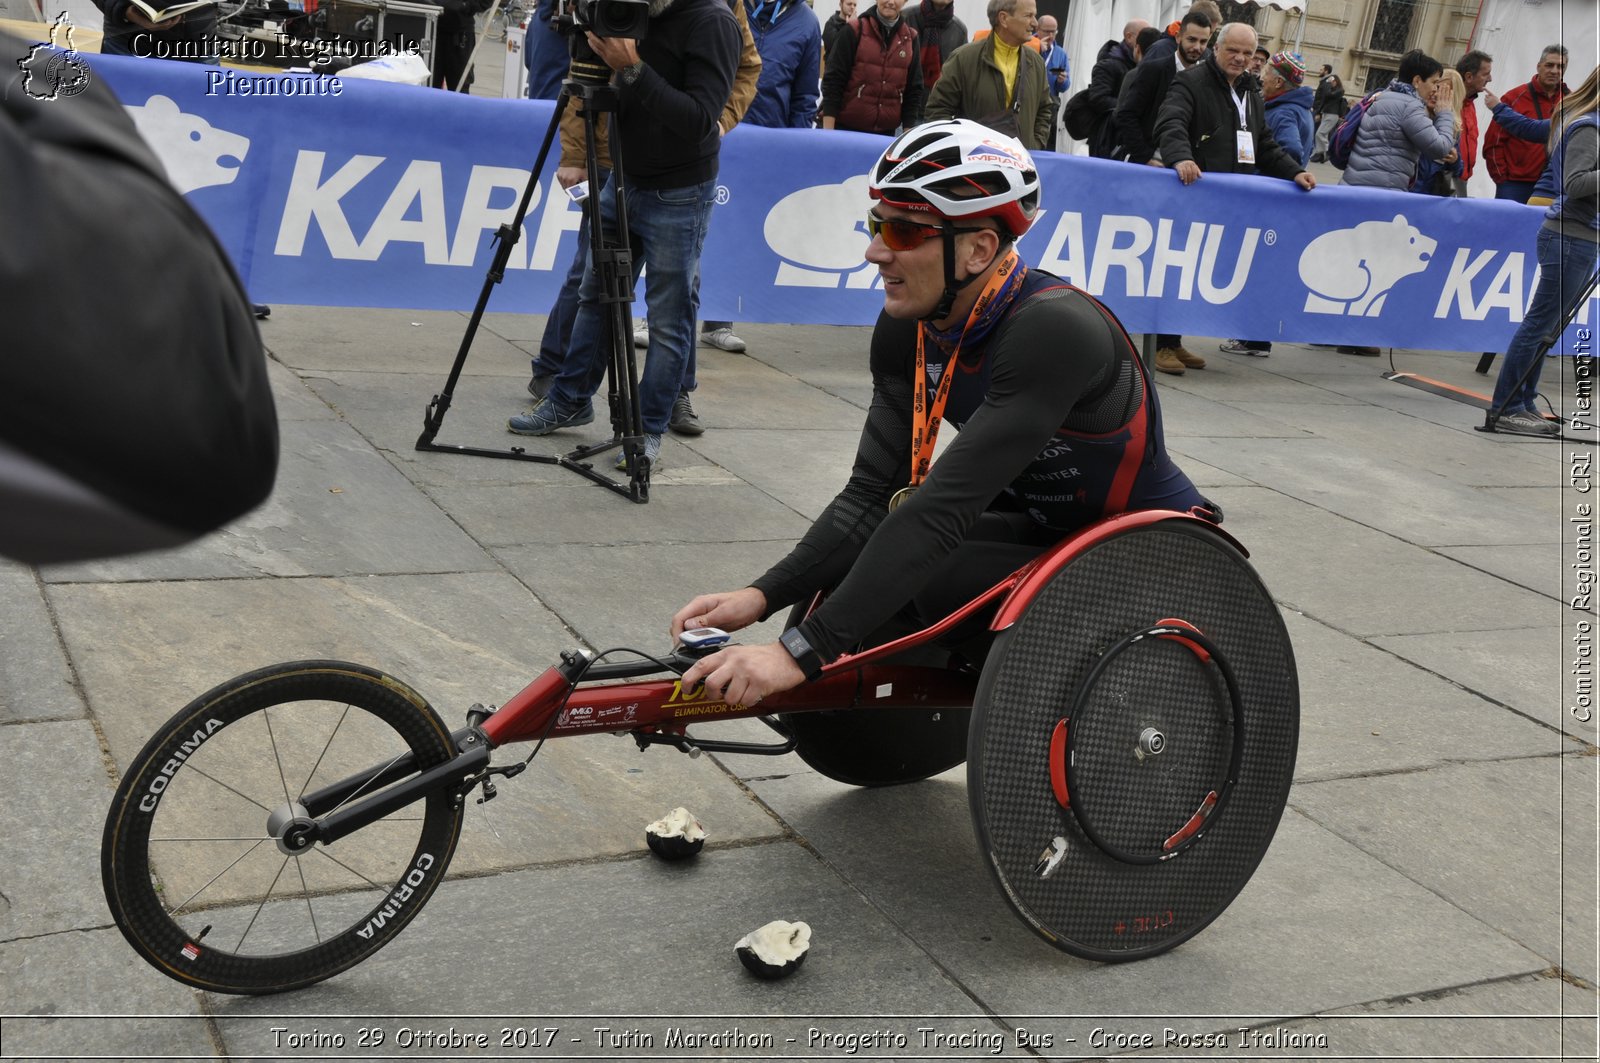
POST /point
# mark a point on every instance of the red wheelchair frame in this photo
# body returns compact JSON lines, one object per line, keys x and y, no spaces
{"x":582,"y":696}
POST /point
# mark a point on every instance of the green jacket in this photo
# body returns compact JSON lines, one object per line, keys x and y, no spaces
{"x":971,"y":86}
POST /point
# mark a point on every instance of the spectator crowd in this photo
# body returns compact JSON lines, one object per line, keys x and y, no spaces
{"x":1196,"y":97}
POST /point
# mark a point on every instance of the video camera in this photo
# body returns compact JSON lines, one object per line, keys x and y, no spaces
{"x":604,"y":18}
{"x":612,"y":18}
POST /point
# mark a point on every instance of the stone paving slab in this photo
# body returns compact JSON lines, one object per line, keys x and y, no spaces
{"x":621,"y":937}
{"x":1534,"y":815}
{"x":1391,"y":496}
{"x":407,"y":341}
{"x":1403,"y":589}
{"x":337,"y":508}
{"x":87,"y":995}
{"x":726,"y":512}
{"x":1525,"y":669}
{"x":35,"y":679}
{"x":803,"y":470}
{"x":387,"y":409}
{"x":1513,"y":1019}
{"x":1407,"y":442}
{"x":294,"y":400}
{"x":1538,"y":567}
{"x":50,"y":849}
{"x":1299,"y":938}
{"x":1364,"y":711}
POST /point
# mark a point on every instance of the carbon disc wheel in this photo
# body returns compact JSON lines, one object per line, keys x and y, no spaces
{"x":1133,"y":742}
{"x":199,"y":863}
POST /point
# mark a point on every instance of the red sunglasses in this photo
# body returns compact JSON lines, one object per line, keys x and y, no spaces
{"x":901,"y":234}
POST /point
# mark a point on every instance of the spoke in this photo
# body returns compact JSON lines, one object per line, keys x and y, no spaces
{"x":353,"y":871}
{"x":207,"y":775}
{"x":258,"y":839}
{"x":277,"y":757}
{"x":305,"y":891}
{"x":219,"y":874}
{"x":262,"y":905}
{"x":364,"y":785}
{"x":307,"y":784}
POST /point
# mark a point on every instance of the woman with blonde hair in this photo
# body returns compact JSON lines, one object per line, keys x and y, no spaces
{"x":1568,"y":247}
{"x":1435,"y":176}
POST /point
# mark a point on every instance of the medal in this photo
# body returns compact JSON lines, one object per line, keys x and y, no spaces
{"x":899,"y":498}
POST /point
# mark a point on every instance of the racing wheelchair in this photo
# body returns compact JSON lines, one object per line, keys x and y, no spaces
{"x":1130,"y":742}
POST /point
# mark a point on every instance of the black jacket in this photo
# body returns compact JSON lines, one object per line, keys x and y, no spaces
{"x":1111,"y":66}
{"x":1329,"y":97}
{"x":668,"y":116}
{"x":1199,"y":123}
{"x":1143,"y":91}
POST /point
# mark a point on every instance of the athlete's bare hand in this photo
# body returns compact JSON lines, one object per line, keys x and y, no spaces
{"x":743,"y":675}
{"x":729,"y":610}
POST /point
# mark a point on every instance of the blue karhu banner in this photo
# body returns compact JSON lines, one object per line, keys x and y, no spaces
{"x":345,"y":192}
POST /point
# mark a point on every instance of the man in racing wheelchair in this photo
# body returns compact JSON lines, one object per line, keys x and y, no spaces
{"x":1059,"y":427}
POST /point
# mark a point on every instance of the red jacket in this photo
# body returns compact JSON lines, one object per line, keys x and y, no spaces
{"x":1468,"y":140}
{"x":1509,"y":158}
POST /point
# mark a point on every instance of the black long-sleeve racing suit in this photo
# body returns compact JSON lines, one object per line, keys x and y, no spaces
{"x":1059,"y":427}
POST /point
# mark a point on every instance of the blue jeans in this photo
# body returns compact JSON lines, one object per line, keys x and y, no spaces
{"x":557,"y":338}
{"x":1565,"y":264}
{"x":666,"y":229}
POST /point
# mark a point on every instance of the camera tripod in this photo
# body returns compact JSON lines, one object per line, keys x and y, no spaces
{"x":1546,"y":342}
{"x":613,"y":265}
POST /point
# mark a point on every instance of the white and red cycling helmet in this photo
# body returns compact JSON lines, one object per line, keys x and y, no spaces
{"x":959,"y":169}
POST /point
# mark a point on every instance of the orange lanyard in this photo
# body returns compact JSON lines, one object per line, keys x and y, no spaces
{"x":925,"y":422}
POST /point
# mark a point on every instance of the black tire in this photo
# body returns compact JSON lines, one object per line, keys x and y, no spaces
{"x":194,"y":878}
{"x":1114,"y":892}
{"x":877,"y":747}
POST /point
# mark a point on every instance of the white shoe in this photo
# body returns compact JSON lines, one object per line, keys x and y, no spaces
{"x":724,"y":339}
{"x":641,"y":334}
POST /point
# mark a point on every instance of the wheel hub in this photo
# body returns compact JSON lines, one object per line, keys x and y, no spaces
{"x":289,"y":826}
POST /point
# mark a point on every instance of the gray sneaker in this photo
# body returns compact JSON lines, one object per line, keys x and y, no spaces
{"x":1526,"y":423}
{"x":547,"y":417}
{"x":641,"y":334}
{"x":652,"y":453}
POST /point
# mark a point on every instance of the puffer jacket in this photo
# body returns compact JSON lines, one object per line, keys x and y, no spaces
{"x":1394,"y":132}
{"x":1289,"y":118}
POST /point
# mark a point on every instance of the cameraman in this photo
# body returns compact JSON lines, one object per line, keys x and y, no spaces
{"x":672,"y":86}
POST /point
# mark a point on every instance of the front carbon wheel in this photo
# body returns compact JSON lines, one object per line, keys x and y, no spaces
{"x":198,"y":860}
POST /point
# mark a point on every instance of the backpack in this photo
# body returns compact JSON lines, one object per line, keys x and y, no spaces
{"x":1344,"y":137}
{"x":1078,"y":117}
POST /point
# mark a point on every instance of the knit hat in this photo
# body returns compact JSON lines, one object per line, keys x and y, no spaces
{"x":1290,"y":65}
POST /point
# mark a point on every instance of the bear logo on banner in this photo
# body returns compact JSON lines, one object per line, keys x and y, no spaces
{"x":190,"y":148}
{"x":1350,"y":271}
{"x":819,"y":235}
